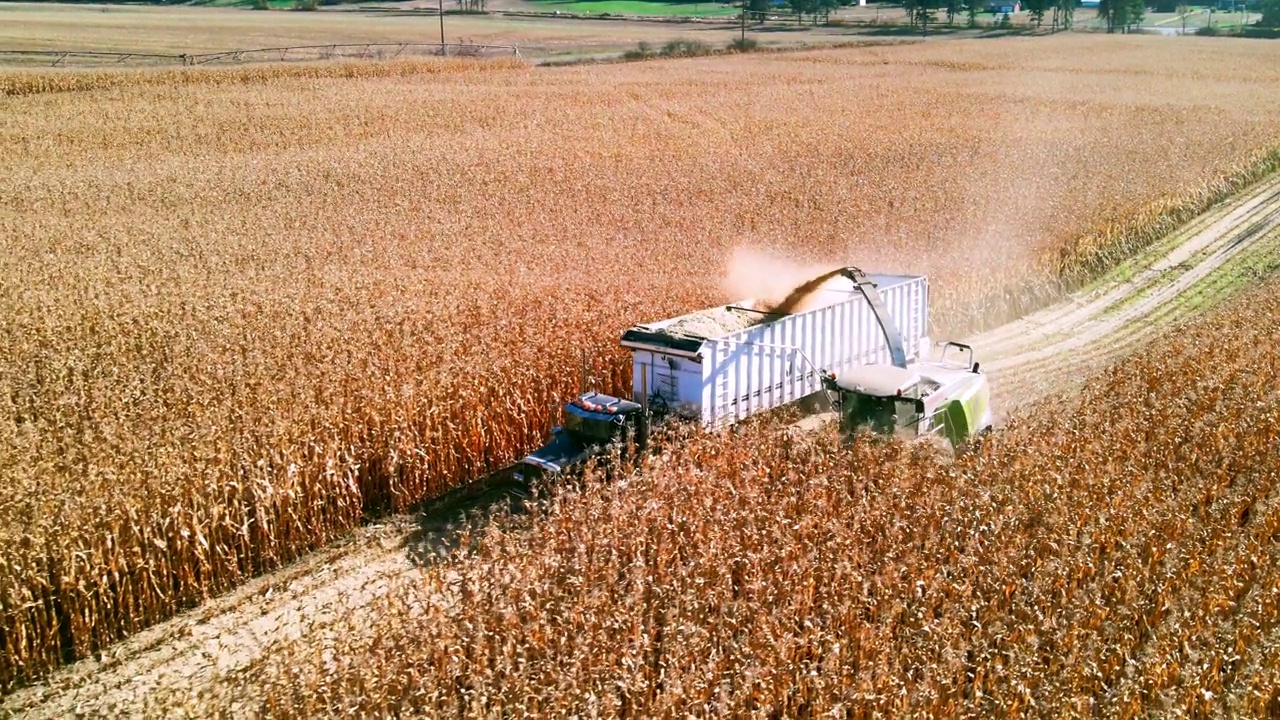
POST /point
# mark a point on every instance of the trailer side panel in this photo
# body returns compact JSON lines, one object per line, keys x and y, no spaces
{"x":775,"y":363}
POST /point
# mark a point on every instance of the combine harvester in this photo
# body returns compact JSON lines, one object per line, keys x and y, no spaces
{"x":859,"y":348}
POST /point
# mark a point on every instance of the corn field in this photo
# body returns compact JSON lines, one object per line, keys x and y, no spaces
{"x":243,"y":310}
{"x":1108,"y":555}
{"x":19,"y":83}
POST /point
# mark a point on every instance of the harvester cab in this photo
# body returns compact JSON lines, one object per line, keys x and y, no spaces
{"x":949,"y":396}
{"x":924,"y":398}
{"x":883,"y":398}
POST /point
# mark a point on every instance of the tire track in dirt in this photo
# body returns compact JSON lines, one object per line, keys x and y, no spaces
{"x":1019,"y":387}
{"x":1025,"y":359}
{"x":1031,"y":357}
{"x":229,"y":634}
{"x":1192,"y":238}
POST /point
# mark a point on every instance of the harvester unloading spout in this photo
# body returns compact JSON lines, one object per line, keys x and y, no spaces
{"x":867,"y":286}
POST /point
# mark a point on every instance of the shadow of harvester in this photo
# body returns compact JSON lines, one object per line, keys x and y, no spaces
{"x":443,"y":524}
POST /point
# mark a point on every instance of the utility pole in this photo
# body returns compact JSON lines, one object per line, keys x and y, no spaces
{"x":744,"y":25}
{"x":440,"y":5}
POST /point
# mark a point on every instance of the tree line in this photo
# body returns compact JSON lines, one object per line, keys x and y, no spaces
{"x":1119,"y":15}
{"x":926,"y":12}
{"x":922,"y":13}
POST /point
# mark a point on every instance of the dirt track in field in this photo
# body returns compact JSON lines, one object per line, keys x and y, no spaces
{"x":1051,"y":350}
{"x":1026,"y":359}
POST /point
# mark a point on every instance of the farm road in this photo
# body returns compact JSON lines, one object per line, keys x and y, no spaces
{"x":1026,"y":359}
{"x":1056,"y":348}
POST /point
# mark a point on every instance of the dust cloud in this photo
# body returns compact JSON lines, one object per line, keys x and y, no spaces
{"x":768,"y":279}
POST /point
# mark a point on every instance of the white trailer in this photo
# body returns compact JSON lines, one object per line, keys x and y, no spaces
{"x":724,"y":364}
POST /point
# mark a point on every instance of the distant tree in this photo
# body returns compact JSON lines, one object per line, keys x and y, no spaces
{"x":1036,"y":10}
{"x":1137,"y":13}
{"x":818,"y":9}
{"x":953,"y":9}
{"x":972,"y":8}
{"x":1065,"y":11}
{"x":1122,"y":15}
{"x":910,"y":6}
{"x":1105,"y":12}
{"x":823,"y":8}
{"x":923,"y":13}
{"x":1270,"y":13}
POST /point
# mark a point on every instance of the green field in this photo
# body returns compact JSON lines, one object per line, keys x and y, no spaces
{"x":637,"y":7}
